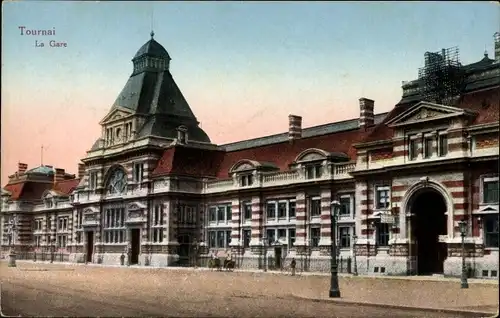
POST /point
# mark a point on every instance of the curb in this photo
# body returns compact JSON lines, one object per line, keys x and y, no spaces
{"x":379,"y":305}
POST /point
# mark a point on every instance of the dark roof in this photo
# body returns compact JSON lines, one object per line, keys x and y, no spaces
{"x":152,"y":48}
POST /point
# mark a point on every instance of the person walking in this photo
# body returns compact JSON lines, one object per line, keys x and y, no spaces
{"x":292,"y":266}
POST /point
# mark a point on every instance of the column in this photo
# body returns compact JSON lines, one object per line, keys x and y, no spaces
{"x":235,"y":223}
{"x":171,"y":210}
{"x":326,"y":199}
{"x":300,"y":212}
{"x":257,"y":220}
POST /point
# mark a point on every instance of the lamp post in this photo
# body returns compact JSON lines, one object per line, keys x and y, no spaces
{"x":52,"y":248}
{"x":463,"y":229}
{"x":354,"y":240}
{"x":334,"y":282}
{"x":264,"y":242}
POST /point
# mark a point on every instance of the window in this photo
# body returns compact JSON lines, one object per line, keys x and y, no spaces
{"x":490,"y":190}
{"x":220,"y":213}
{"x":220,"y":238}
{"x":291,"y":237}
{"x":93,"y":180}
{"x":315,"y":206}
{"x":78,"y":237}
{"x":282,"y":210}
{"x":212,"y":243}
{"x":291,"y":209}
{"x":114,"y":228}
{"x":157,"y":224}
{"x":313,"y":171}
{"x":428,"y":147}
{"x":247,"y":234}
{"x":271,"y":210}
{"x":247,"y":211}
{"x":49,"y":203}
{"x":281,"y":233}
{"x":412,"y":149}
{"x":443,"y":145}
{"x":228,"y":238}
{"x":271,"y":235}
{"x":344,"y":237}
{"x":79,"y":219}
{"x":212,"y":214}
{"x":345,"y":205}
{"x":138,"y":172}
{"x":38,"y":240}
{"x":382,"y":196}
{"x":246,"y":180}
{"x":315,"y":236}
{"x":491,"y":230}
{"x":382,"y":234}
{"x":229,"y":212}
{"x":38,"y":224}
{"x":61,"y":241}
{"x":62,"y":224}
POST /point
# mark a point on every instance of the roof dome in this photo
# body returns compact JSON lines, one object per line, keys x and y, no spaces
{"x":152,"y":48}
{"x":42,"y":169}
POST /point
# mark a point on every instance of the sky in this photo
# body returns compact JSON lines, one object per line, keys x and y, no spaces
{"x":242,"y":66}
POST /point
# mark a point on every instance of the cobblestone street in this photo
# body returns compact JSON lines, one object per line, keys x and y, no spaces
{"x":34,"y":289}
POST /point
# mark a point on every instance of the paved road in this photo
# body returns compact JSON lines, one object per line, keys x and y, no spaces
{"x":44,"y":295}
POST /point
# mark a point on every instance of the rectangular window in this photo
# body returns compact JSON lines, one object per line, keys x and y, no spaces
{"x":247,"y":211}
{"x":38,"y":240}
{"x":271,"y":210}
{"x":62,"y":224}
{"x":281,"y":234}
{"x":221,"y":212}
{"x":443,"y":145}
{"x":228,"y":238}
{"x":490,"y":190}
{"x":345,"y":205}
{"x":491,"y":230}
{"x":246,"y":180}
{"x":93,"y":180}
{"x":271,"y":235}
{"x":291,"y":209}
{"x":114,"y":230}
{"x":61,"y":241}
{"x":220,"y":239}
{"x":315,"y":207}
{"x":412,"y":149}
{"x":247,"y":234}
{"x":229,"y":212}
{"x":315,"y":236}
{"x":382,"y":197}
{"x":428,"y":147}
{"x":313,"y":171}
{"x":291,"y":238}
{"x":382,"y":234}
{"x":138,"y":172}
{"x":282,"y":210}
{"x":212,"y":214}
{"x":38,"y":224}
{"x":157,"y":224}
{"x":212,"y":239}
{"x":344,"y":237}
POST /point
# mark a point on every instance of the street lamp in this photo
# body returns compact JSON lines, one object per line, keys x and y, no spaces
{"x":52,"y":248}
{"x":463,"y":229}
{"x":264,"y":242}
{"x":354,"y":240}
{"x":12,"y":230}
{"x":334,"y":282}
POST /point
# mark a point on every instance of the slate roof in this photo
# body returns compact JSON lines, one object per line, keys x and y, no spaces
{"x":152,"y":48}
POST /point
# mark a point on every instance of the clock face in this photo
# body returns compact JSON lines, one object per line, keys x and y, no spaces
{"x":117,"y":182}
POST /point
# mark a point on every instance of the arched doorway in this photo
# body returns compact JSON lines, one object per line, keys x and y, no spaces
{"x":428,"y":222}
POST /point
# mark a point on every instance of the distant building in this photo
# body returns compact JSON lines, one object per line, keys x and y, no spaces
{"x":155,"y":188}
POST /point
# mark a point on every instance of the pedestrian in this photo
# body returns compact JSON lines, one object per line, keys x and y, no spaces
{"x":292,"y":265}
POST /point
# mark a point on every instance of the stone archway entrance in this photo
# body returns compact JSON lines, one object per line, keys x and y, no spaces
{"x":428,"y":221}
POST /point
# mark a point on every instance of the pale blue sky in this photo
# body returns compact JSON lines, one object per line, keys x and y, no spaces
{"x":242,"y":66}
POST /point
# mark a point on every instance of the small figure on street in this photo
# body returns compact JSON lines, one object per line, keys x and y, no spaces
{"x":292,"y":266}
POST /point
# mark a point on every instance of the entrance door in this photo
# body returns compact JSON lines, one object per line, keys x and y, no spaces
{"x":277,"y":257}
{"x":90,"y":247}
{"x":135,"y":242}
{"x":184,"y":249}
{"x":428,"y":222}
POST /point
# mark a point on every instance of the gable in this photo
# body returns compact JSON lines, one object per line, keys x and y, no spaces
{"x":424,"y":112}
{"x":116,"y":113}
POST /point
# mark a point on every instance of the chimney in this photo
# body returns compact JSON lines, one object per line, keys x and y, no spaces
{"x":59,"y":176}
{"x":366,"y":116}
{"x":22,"y":167}
{"x":294,"y":127}
{"x":81,"y":170}
{"x":497,"y":46}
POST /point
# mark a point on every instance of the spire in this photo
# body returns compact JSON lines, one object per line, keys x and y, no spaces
{"x":152,"y":34}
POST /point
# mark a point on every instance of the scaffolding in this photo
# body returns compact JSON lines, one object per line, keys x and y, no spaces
{"x":441,"y":79}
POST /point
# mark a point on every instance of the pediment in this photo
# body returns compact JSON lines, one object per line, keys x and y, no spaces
{"x":488,"y":209}
{"x":312,"y":154}
{"x":425,"y":111}
{"x":116,"y":113}
{"x":135,"y":206}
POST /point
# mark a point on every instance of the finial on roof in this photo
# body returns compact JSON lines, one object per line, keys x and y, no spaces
{"x":485,"y":53}
{"x":152,"y":34}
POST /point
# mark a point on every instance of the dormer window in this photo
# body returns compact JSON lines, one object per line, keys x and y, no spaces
{"x":118,"y":132}
{"x":246,"y":180}
{"x":49,"y":203}
{"x":313,"y":171}
{"x":182,"y":135}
